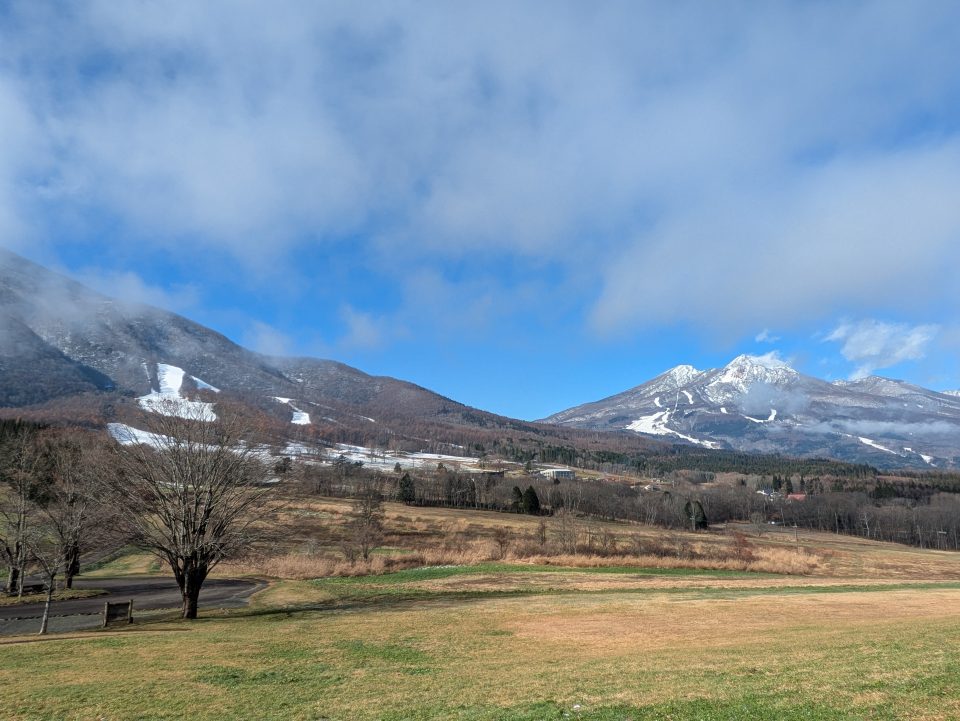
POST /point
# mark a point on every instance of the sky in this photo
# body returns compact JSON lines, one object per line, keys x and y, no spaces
{"x":521,"y":205}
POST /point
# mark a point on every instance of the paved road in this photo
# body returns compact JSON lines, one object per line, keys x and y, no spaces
{"x":148,"y":593}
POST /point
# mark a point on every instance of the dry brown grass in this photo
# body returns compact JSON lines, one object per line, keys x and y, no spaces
{"x":471,"y":551}
{"x":423,"y":536}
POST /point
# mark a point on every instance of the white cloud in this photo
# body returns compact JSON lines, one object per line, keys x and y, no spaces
{"x":730,"y":168}
{"x":765,"y":336}
{"x":264,"y":338}
{"x":130,"y":287}
{"x":364,"y":331}
{"x":772,"y":359}
{"x":874,"y":344}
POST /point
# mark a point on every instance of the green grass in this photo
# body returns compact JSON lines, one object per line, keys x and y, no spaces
{"x":429,"y":573}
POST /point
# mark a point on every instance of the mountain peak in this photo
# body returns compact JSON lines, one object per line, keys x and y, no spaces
{"x":770,"y":361}
{"x":683,"y":373}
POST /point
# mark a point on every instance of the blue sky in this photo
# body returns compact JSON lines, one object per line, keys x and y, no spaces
{"x":523,"y":206}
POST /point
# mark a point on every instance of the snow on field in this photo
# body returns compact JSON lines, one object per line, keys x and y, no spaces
{"x":169,"y":401}
{"x":373,"y":458}
{"x":874,"y":444}
{"x":382,"y":459}
{"x":298,"y":449}
{"x":128,"y":436}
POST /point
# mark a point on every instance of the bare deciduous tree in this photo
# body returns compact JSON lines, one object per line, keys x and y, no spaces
{"x":47,"y":555}
{"x":72,"y":511}
{"x":365,"y":529}
{"x":567,"y":529}
{"x":19,"y":474}
{"x":190,"y":491}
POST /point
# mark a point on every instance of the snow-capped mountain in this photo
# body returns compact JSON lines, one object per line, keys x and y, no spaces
{"x":69,"y":352}
{"x":760,"y":403}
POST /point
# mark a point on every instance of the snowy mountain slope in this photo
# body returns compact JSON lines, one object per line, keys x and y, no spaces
{"x":759,"y":403}
{"x":60,"y":341}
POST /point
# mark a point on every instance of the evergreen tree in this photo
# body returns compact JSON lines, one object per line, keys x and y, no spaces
{"x":531,"y":501}
{"x":407,"y":491}
{"x":517,"y":499}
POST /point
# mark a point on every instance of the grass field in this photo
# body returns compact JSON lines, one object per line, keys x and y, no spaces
{"x":874,"y":633}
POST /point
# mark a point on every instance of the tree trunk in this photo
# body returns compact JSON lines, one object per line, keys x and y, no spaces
{"x":192,"y":581}
{"x":20,"y":574}
{"x":13,"y":579}
{"x":51,"y":583}
{"x":71,"y":565}
{"x":191,"y":599}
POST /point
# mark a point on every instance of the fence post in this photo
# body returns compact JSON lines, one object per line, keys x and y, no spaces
{"x":106,"y":613}
{"x":130,"y":612}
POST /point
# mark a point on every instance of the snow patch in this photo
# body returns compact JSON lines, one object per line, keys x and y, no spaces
{"x":656,"y":425}
{"x":874,"y":444}
{"x":688,"y":395}
{"x":129,"y":436}
{"x":169,"y":401}
{"x":300,"y":418}
{"x":769,"y":419}
{"x":204,"y":386}
{"x":657,"y":403}
{"x":926,"y":459}
{"x":723,"y":410}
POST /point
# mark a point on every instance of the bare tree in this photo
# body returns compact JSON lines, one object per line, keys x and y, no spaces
{"x":19,"y":475}
{"x":72,"y":510}
{"x":190,"y":491}
{"x":47,"y":554}
{"x":567,"y":529}
{"x":502,"y":537}
{"x":365,"y":529}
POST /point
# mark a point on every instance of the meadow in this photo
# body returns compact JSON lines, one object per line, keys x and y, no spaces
{"x":858,"y":630}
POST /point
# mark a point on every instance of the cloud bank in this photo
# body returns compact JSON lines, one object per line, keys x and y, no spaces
{"x":726,"y":167}
{"x":874,"y":344}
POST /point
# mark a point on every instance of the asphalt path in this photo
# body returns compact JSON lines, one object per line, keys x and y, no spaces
{"x":147,"y":592}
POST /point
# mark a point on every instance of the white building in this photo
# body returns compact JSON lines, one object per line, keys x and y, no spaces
{"x":559,"y":474}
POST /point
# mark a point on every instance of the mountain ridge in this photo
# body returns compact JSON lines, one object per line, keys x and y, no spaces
{"x":65,"y":347}
{"x":68,"y":353}
{"x":761,"y":404}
